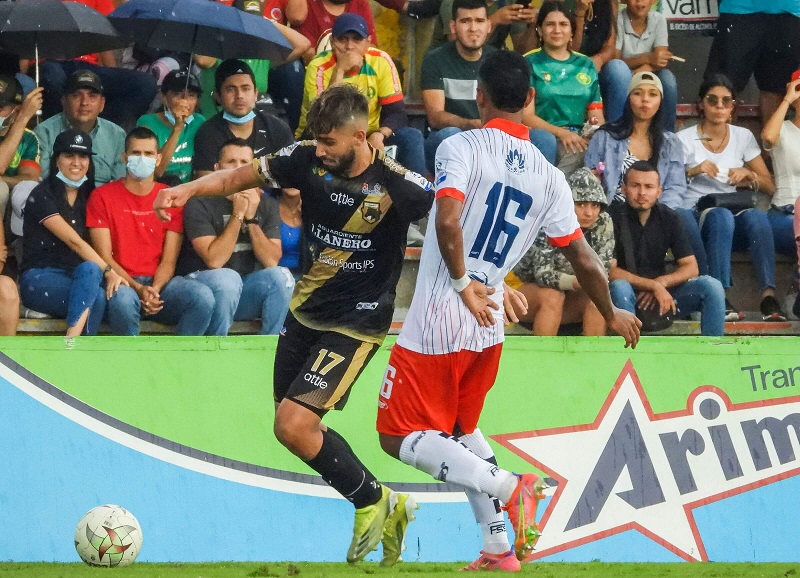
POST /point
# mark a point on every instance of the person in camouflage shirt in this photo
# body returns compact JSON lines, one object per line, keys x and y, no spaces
{"x":547,"y":279}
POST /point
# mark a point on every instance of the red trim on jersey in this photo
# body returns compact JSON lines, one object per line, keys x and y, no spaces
{"x":391,"y":99}
{"x":595,"y":106}
{"x":566,"y":239}
{"x":515,"y":129}
{"x":451,"y":192}
{"x":320,"y":79}
{"x":29,"y":163}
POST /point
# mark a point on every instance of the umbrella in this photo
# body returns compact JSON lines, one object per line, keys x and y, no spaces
{"x":55,"y":29}
{"x":200,"y":27}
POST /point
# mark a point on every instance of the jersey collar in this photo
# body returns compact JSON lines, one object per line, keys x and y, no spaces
{"x":515,"y":129}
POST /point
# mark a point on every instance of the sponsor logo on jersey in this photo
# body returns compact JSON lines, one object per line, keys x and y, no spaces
{"x":377,"y":190}
{"x":342,"y":199}
{"x":340,"y":239}
{"x":371,"y":212}
{"x":418,"y":179}
{"x":515,"y":162}
{"x":648,"y":471}
{"x":285,"y":151}
{"x":315,"y":380}
{"x":363,"y":306}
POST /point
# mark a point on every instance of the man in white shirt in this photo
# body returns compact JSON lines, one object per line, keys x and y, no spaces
{"x":494,"y":192}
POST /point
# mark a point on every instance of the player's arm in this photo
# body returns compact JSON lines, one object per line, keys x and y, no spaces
{"x":451,"y":245}
{"x":592,"y":277}
{"x":220,"y":183}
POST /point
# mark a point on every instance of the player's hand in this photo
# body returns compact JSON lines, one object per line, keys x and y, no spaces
{"x":113,"y":282}
{"x":476,"y":297}
{"x":625,"y":324}
{"x":515,"y":304}
{"x":171,"y":198}
{"x":572,"y":141}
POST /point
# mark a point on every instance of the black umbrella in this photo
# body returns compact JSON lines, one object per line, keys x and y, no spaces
{"x":55,"y":29}
{"x":200,"y":27}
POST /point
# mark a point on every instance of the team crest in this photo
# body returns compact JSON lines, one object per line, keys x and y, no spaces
{"x":371,"y":212}
{"x":546,"y":77}
{"x":319,"y":171}
{"x":515,"y":162}
{"x":584,"y":78}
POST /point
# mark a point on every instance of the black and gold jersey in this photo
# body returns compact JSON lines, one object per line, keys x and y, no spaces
{"x":357,"y":231}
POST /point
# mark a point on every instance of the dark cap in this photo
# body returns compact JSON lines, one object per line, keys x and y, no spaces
{"x":72,"y":141}
{"x":350,"y":22}
{"x":176,"y":81}
{"x":83,"y":79}
{"x":10,"y":90}
{"x":230,"y":68}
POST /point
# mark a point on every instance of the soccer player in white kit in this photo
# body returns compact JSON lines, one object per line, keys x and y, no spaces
{"x":494,"y":192}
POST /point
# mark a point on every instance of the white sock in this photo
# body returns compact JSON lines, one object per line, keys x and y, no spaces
{"x":447,"y":459}
{"x":486,"y":508}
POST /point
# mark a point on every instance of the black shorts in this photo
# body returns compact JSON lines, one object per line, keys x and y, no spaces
{"x":317,"y":368}
{"x":764,"y":45}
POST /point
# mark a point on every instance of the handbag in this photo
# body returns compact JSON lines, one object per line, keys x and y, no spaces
{"x":736,"y":202}
{"x":651,"y":319}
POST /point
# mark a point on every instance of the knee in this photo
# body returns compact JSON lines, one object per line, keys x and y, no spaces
{"x":756,"y":221}
{"x":225,"y":283}
{"x":668,"y":80}
{"x":88,"y":270}
{"x":551,"y":298}
{"x":409,"y":136}
{"x":9,"y":295}
{"x":720,"y":220}
{"x":124,"y":302}
{"x":616,"y":71}
{"x":292,"y":427}
{"x":622,"y":294}
{"x":391,"y":444}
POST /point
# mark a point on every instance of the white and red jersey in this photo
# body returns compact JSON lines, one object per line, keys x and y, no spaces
{"x":510,"y":192}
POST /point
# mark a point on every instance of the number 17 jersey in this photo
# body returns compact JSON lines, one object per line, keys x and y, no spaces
{"x":510,"y":192}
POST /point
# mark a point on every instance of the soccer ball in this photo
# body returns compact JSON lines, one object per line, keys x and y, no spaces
{"x":108,"y":536}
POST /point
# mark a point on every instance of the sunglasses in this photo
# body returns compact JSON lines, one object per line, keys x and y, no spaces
{"x":714,"y":100}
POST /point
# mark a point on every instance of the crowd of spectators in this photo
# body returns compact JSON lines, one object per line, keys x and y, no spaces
{"x":82,"y":157}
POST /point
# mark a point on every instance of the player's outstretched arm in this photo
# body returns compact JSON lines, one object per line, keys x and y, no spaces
{"x":474,"y":294}
{"x":592,"y":278}
{"x":219,"y":183}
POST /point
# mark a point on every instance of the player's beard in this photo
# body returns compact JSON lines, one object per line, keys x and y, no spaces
{"x":343,"y":164}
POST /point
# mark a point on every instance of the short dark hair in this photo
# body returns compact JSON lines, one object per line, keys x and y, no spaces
{"x":140,"y":133}
{"x":336,"y":107}
{"x":505,"y":77}
{"x":642,"y":167}
{"x":468,"y":5}
{"x":714,"y":80}
{"x":233,"y":142}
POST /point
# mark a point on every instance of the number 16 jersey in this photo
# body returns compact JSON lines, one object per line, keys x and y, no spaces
{"x":510,"y":192}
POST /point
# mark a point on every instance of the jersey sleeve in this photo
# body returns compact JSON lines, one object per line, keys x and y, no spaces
{"x":389,"y":88}
{"x":287,"y":167}
{"x":453,"y":162}
{"x":561,"y":226}
{"x":411,"y":193}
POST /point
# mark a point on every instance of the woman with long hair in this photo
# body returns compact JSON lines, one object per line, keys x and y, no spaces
{"x":721,"y":158}
{"x":639,"y":135}
{"x":567,"y":90}
{"x":61,"y":274}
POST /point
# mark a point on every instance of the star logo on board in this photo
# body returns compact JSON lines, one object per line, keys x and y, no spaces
{"x":638,"y":470}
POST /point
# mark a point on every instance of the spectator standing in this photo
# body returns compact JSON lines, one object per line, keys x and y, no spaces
{"x":83,"y":101}
{"x":449,"y":81}
{"x":567,"y":90}
{"x":638,"y":135}
{"x":321,"y":16}
{"x":235,"y":87}
{"x":234,"y":248}
{"x":143,"y":250}
{"x":546,"y":277}
{"x":721,"y":157}
{"x":644,"y":231}
{"x":642,"y":46}
{"x":176,"y":126}
{"x":352,"y":60}
{"x":294,"y":247}
{"x":757,"y":38}
{"x":61,"y":274}
{"x":129,"y":92}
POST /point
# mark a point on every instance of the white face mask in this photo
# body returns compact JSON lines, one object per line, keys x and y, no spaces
{"x":140,"y":167}
{"x":171,"y":117}
{"x":69,"y":182}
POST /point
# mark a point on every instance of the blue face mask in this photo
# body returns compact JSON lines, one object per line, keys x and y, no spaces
{"x":171,"y":117}
{"x":239,"y":119}
{"x":69,"y":182}
{"x":140,"y":167}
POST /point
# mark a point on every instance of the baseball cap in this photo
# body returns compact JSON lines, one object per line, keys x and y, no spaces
{"x":10,"y":90}
{"x":72,"y":141}
{"x":230,"y":68}
{"x":83,"y":79}
{"x":641,"y":78}
{"x":176,"y":81}
{"x":349,"y":22}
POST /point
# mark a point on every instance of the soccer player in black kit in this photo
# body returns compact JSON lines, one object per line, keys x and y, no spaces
{"x":356,"y":207}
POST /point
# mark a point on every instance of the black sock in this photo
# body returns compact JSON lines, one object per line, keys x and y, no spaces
{"x":342,"y":470}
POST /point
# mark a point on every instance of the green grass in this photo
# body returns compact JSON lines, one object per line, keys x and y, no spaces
{"x":413,"y":570}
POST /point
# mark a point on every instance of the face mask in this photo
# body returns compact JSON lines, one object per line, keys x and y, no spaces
{"x":69,"y":182}
{"x":171,"y":117}
{"x":239,"y":119}
{"x":141,"y":167}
